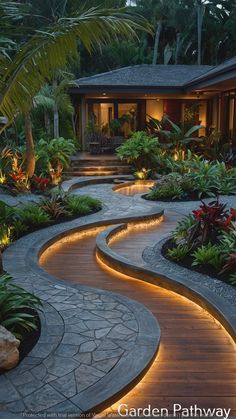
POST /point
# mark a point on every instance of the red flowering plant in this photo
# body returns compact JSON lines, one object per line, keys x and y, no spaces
{"x":20,"y":180}
{"x":41,"y":183}
{"x":211,"y":220}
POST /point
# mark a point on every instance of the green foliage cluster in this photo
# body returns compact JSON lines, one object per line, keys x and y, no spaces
{"x":16,"y":306}
{"x":54,"y":153}
{"x":194,"y":179}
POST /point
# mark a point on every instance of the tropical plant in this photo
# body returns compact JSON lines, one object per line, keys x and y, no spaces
{"x":209,"y":255}
{"x":139,"y":150}
{"x":179,"y":252}
{"x":15,"y":307}
{"x":177,"y":138}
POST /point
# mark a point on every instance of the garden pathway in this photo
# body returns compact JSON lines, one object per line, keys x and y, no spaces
{"x":197,"y":358}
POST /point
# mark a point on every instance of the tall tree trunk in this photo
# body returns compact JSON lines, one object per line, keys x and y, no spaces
{"x":56,"y":121}
{"x":30,"y":155}
{"x":55,"y":113}
{"x":47,"y":121}
{"x":157,"y":42}
{"x":200,"y":15}
{"x":178,"y":47}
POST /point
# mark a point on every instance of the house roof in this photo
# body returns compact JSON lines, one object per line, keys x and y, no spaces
{"x":165,"y":77}
{"x":146,"y":75}
{"x":226,"y":69}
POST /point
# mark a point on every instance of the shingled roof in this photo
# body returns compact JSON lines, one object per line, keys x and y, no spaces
{"x":224,"y":68}
{"x":146,"y":75}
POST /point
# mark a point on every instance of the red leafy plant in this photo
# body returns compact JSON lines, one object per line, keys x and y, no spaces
{"x":211,"y":220}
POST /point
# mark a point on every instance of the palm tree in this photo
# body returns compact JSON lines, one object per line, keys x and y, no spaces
{"x":217,"y":8}
{"x":44,"y":52}
{"x":54,"y":99}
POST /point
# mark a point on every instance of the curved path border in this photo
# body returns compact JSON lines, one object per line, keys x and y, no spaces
{"x":167,"y":276}
{"x":45,"y":380}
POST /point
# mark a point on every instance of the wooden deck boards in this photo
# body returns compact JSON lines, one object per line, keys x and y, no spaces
{"x":196,"y":363}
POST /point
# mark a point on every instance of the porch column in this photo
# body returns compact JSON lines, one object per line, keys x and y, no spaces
{"x":234,"y":127}
{"x":83,"y":123}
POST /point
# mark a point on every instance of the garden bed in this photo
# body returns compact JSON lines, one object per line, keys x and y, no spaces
{"x":205,"y":241}
{"x":57,"y":208}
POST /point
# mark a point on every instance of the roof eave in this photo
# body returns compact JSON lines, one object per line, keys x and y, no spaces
{"x":127,"y":89}
{"x":211,"y":79}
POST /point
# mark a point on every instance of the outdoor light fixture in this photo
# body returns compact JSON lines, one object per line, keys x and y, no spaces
{"x":104,"y":94}
{"x":198,"y":94}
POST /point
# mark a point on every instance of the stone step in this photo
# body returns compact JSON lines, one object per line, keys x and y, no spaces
{"x":102,"y":171}
{"x":94,"y":163}
{"x":99,"y":168}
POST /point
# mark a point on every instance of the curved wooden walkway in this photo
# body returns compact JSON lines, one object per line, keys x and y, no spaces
{"x":196,"y":363}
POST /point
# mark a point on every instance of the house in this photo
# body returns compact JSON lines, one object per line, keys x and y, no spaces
{"x":196,"y":94}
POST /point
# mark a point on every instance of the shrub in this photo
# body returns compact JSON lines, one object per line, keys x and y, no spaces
{"x":15,"y":303}
{"x":139,"y":150}
{"x":209,"y":255}
{"x":178,"y":253}
{"x":33,"y":215}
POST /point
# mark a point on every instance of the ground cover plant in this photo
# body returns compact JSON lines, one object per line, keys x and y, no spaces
{"x":206,"y":241}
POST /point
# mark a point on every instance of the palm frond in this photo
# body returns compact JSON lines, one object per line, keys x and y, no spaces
{"x":47,"y":51}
